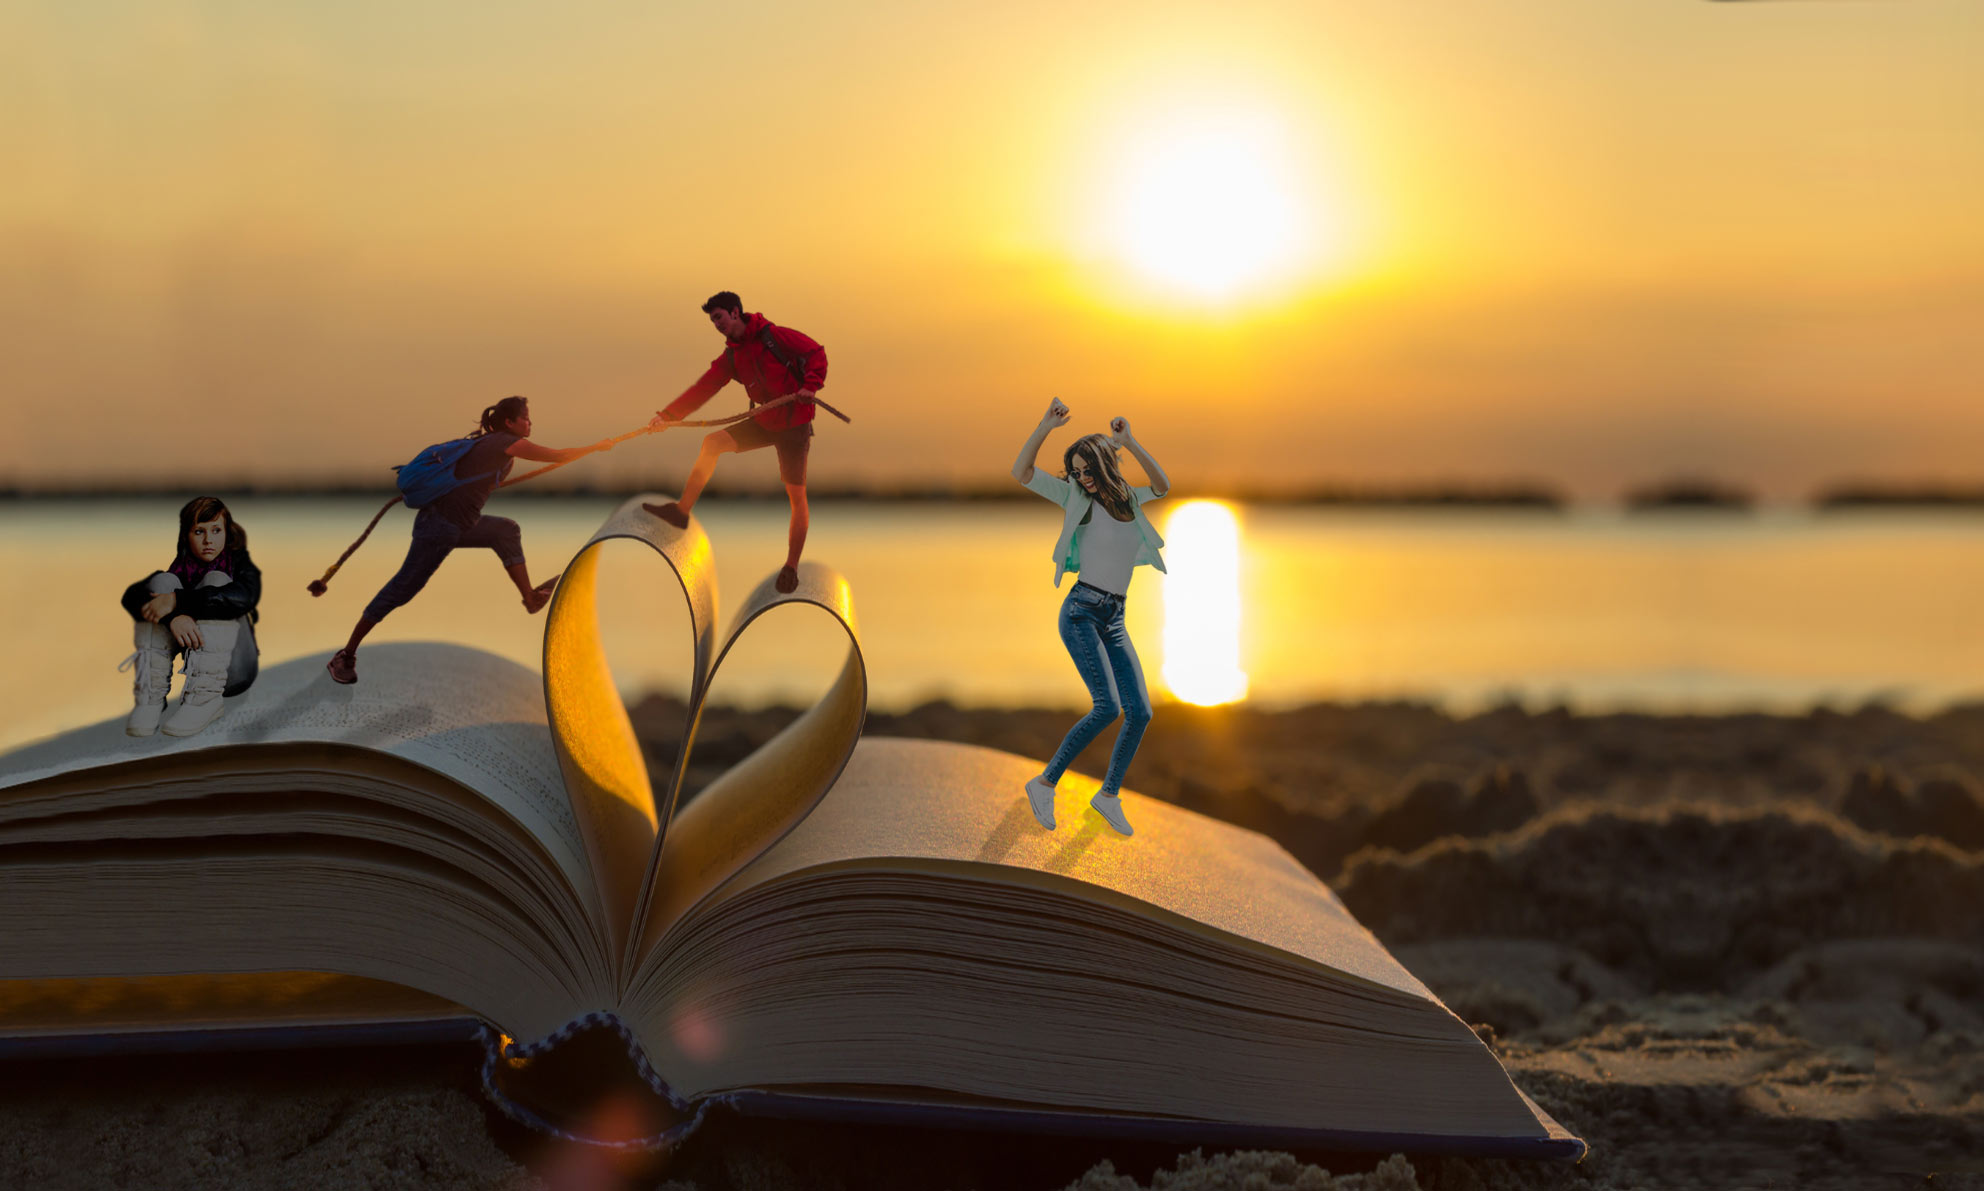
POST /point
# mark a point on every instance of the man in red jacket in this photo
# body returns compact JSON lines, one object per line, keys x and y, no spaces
{"x":770,"y":362}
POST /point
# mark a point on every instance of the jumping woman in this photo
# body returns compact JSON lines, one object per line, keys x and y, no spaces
{"x":1104,"y":537}
{"x":203,"y":605}
{"x":455,"y":520}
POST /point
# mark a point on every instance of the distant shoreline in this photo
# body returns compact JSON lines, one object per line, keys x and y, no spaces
{"x":1688,"y":501}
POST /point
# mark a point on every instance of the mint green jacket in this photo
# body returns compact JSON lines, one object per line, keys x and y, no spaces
{"x":1075,"y":505}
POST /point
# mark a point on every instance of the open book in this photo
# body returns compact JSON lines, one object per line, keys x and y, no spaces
{"x":837,"y":927}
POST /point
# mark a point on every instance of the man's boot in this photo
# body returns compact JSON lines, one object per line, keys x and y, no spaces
{"x":206,"y":678}
{"x":672,"y":512}
{"x":152,"y":677}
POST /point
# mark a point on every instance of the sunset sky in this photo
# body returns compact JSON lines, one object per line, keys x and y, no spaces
{"x":1316,"y":241}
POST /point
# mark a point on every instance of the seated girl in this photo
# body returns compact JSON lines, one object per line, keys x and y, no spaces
{"x":203,"y":606}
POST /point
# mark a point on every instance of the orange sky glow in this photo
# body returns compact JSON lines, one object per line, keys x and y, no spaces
{"x":1582,"y":244}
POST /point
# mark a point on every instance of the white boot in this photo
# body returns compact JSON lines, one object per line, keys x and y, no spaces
{"x":206,"y":678}
{"x":152,"y":677}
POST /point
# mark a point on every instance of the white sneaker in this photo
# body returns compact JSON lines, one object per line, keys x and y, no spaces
{"x":1110,"y":807}
{"x":1040,"y":796}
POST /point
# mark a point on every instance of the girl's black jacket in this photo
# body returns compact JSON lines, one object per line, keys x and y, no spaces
{"x":231,"y":601}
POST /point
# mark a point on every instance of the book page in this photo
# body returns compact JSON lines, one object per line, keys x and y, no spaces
{"x":767,"y":794}
{"x":209,"y":1000}
{"x":929,"y":804}
{"x":605,"y":777}
{"x":465,"y":714}
{"x":137,"y":908}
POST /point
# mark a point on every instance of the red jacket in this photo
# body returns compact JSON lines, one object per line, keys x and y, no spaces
{"x":748,"y":362}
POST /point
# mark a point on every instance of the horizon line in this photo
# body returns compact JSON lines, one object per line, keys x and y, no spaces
{"x":1674,"y":494}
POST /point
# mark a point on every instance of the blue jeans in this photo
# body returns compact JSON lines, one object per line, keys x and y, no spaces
{"x":1092,"y":629}
{"x":434,"y":538}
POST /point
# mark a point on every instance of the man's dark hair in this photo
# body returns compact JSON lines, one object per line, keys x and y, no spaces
{"x":727,"y":300}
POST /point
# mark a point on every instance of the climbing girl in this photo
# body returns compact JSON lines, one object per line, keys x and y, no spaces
{"x":202,"y":605}
{"x":1104,"y":537}
{"x":455,"y":519}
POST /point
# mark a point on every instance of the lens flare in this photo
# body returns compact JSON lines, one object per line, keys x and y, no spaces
{"x":695,"y":1031}
{"x":1202,"y":604}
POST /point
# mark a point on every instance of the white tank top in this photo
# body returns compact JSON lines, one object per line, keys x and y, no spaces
{"x":1109,"y":550}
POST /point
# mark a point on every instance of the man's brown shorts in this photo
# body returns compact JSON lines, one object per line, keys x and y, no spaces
{"x":793,"y":443}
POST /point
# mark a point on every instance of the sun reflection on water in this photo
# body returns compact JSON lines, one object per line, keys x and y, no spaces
{"x":1202,"y":604}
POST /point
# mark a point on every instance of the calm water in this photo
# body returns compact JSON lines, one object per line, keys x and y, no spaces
{"x":1591,"y":608}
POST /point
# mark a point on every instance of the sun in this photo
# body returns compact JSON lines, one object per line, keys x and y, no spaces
{"x":1208,"y":205}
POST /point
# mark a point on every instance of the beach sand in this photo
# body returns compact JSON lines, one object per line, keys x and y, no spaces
{"x":1740,"y":951}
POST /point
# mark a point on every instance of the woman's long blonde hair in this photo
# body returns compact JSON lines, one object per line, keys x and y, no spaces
{"x":1110,"y":488}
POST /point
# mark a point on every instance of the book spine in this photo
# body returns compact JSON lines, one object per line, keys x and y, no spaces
{"x":500,"y":1049}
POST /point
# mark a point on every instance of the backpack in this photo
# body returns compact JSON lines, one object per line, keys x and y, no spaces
{"x":793,"y":364}
{"x":431,"y":475}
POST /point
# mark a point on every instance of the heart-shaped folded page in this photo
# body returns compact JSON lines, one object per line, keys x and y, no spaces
{"x":653,"y":863}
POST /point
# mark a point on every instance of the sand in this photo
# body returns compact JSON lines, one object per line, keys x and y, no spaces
{"x":1742,"y":951}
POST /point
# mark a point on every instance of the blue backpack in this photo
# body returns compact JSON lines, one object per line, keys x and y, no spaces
{"x":431,"y":475}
